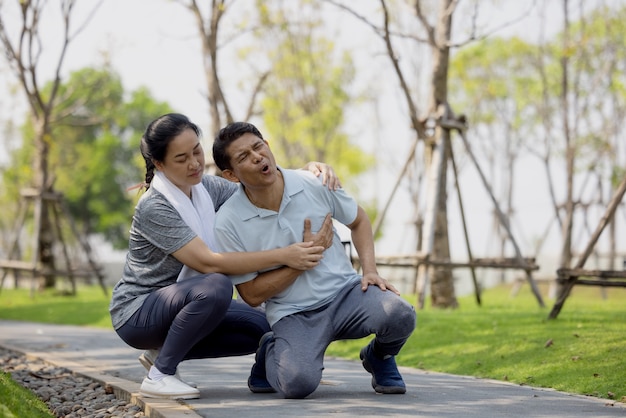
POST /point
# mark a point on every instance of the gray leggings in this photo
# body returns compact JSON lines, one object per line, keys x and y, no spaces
{"x":193,"y":319}
{"x":295,"y":359}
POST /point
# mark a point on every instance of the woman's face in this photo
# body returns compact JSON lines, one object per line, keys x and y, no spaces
{"x":183,"y":164}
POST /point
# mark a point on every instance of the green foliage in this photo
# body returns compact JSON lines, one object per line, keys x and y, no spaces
{"x":598,"y":60}
{"x":306,"y":93}
{"x":512,"y":90}
{"x":17,"y":401}
{"x":496,"y":83}
{"x":94,"y":153}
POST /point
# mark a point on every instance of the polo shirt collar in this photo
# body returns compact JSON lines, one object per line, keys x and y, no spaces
{"x":293,"y":185}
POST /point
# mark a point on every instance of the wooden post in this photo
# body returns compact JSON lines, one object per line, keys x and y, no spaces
{"x":56,"y":208}
{"x":430,"y":219}
{"x":14,"y":248}
{"x":606,"y":218}
{"x":499,"y":212}
{"x":467,"y":242}
{"x":381,"y":216}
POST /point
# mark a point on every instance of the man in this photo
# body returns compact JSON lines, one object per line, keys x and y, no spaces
{"x":307,"y":310}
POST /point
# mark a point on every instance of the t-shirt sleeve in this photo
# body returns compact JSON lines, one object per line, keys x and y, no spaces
{"x":161,"y":224}
{"x":219,"y":189}
{"x":345,"y":207}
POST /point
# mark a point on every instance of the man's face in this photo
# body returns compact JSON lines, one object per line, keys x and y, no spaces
{"x":252,"y":162}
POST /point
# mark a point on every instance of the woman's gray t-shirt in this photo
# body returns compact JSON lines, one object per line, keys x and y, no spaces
{"x":157,"y":230}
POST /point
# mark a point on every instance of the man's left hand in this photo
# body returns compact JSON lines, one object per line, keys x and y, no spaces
{"x":375,"y":280}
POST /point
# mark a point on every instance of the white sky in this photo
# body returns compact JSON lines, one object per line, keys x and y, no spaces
{"x":153,"y":43}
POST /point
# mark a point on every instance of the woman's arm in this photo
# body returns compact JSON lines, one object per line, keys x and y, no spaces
{"x":196,"y":255}
{"x":299,"y":256}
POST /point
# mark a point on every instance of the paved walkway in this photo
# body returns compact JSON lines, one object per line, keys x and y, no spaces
{"x":345,"y":390}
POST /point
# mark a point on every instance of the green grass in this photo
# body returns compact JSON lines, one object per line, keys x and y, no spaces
{"x":507,"y":338}
{"x":90,"y":306}
{"x":17,"y":401}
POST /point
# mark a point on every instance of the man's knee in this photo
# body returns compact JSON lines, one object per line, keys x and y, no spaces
{"x":300,"y":384}
{"x":402,"y":315}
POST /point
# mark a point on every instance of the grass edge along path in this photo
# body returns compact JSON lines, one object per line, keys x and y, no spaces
{"x":16,"y":401}
{"x":507,"y":338}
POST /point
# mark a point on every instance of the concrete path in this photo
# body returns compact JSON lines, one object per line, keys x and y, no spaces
{"x":345,"y":390}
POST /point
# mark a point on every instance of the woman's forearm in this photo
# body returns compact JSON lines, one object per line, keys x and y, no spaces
{"x":247,"y":262}
{"x":196,"y":255}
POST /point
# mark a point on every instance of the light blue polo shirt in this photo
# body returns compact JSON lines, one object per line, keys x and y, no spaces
{"x":241,"y":226}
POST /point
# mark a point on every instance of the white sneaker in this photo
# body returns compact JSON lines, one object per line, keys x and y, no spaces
{"x":167,"y":388}
{"x":147,"y":359}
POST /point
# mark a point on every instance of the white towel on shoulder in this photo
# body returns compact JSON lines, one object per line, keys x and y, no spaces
{"x":198,"y":213}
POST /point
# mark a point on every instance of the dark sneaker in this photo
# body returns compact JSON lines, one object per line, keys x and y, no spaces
{"x":257,"y":382}
{"x":385,"y":375}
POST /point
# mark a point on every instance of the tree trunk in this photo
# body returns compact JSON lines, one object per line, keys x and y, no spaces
{"x":570,"y":152}
{"x":208,"y":34}
{"x":442,"y":284}
{"x":43,"y":183}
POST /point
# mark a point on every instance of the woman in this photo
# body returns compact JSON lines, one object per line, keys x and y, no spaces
{"x":174,"y":299}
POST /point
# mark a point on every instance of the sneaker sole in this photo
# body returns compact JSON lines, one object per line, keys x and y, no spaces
{"x":254,"y":389}
{"x":260,"y":389}
{"x":388,"y":390}
{"x":169,"y":396}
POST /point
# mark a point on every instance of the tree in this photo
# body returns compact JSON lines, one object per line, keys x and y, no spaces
{"x":67,"y":143}
{"x":305,"y":118}
{"x":428,"y":24}
{"x":494,"y":83}
{"x":208,"y":25}
{"x":592,"y":65}
{"x":564,"y":101}
{"x":23,"y":51}
{"x":306,"y":92}
{"x":437,"y":141}
{"x":214,"y":41}
{"x":588,"y":80}
{"x":95,"y":157}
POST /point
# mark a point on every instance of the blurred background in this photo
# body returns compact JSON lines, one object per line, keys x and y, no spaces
{"x":469,"y":130}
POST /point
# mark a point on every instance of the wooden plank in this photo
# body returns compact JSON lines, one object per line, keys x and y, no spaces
{"x":605,"y":274}
{"x":606,"y":218}
{"x":17,"y":265}
{"x":28,"y":266}
{"x":475,"y":263}
{"x":421,"y":256}
{"x":599,"y":282}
